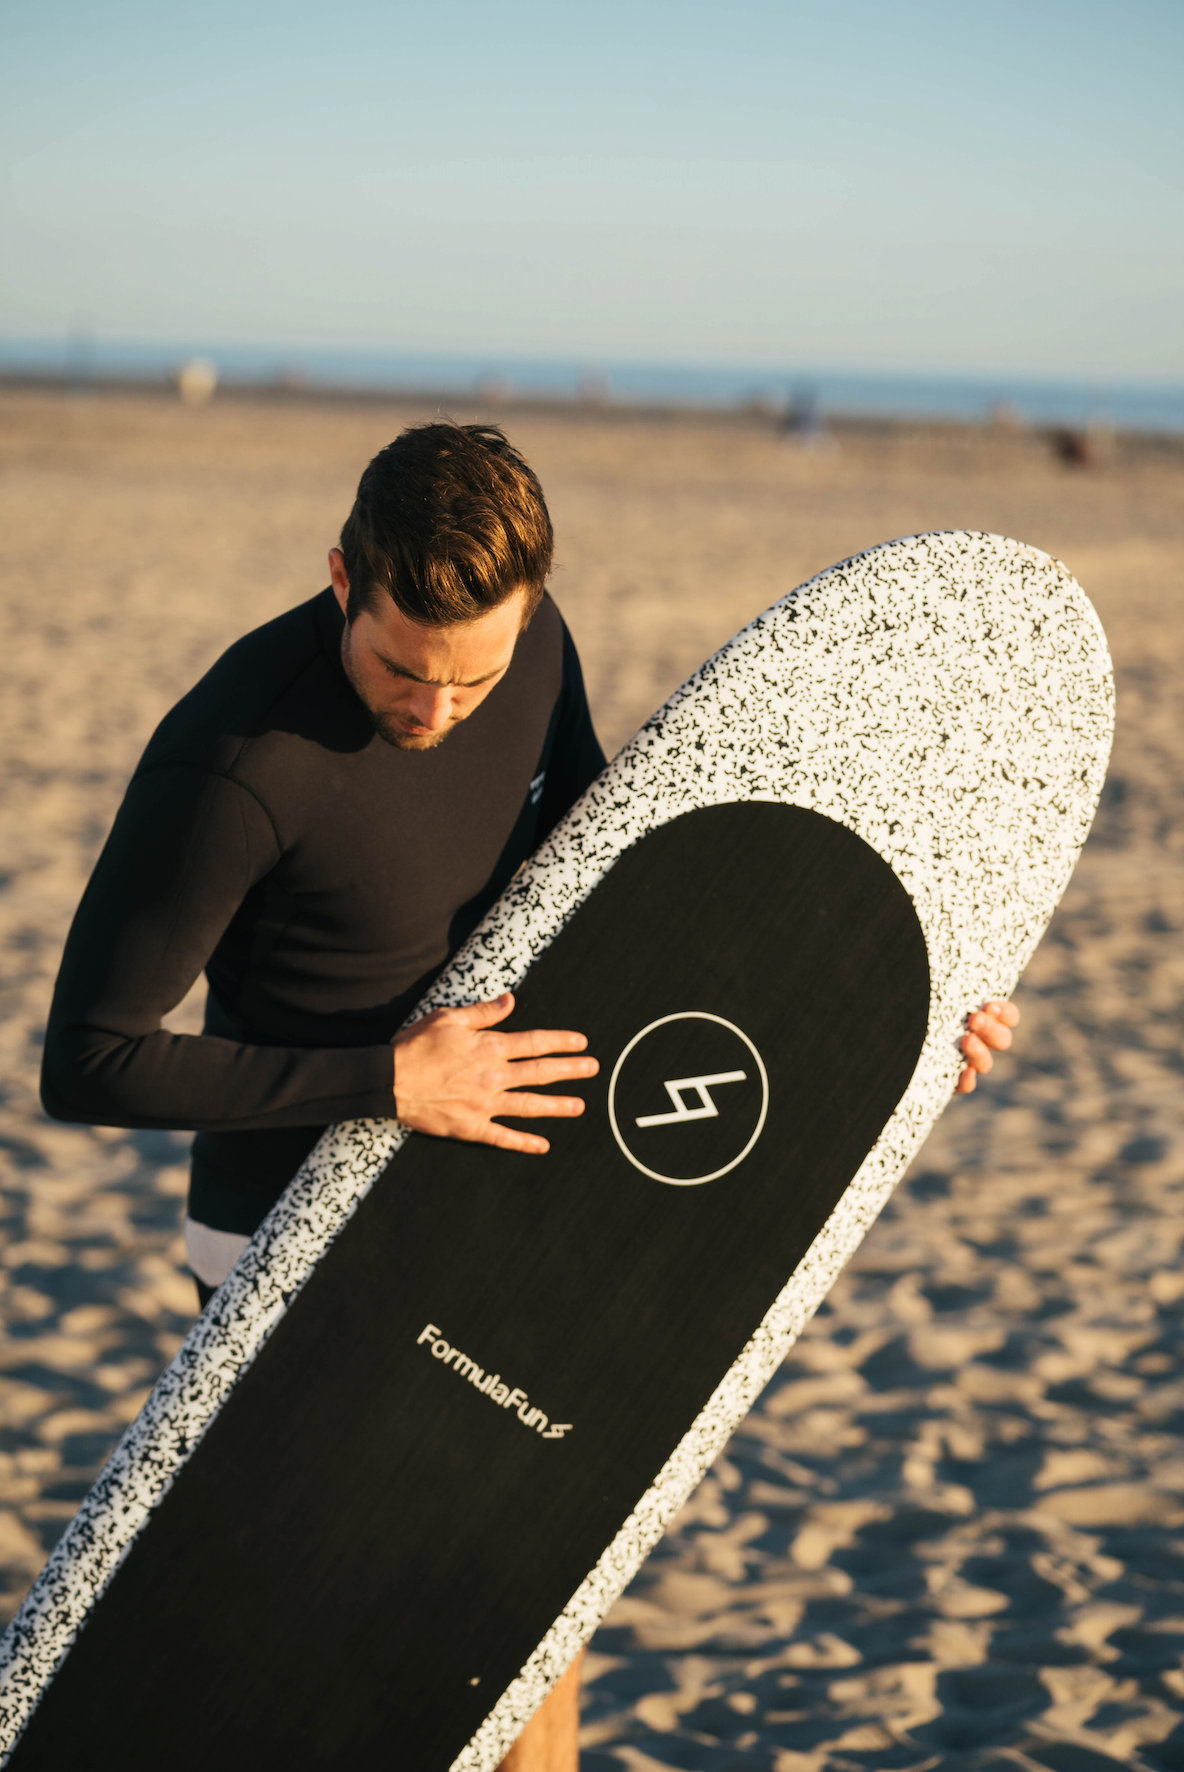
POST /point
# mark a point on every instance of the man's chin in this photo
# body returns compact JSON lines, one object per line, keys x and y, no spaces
{"x":394,"y":734}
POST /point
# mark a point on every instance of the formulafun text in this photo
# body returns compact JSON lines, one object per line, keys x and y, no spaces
{"x":492,"y":1385}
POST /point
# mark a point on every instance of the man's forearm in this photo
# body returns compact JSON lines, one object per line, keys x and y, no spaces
{"x":200,"y":1083}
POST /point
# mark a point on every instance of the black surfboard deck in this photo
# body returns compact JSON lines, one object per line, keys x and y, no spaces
{"x":449,"y":1399}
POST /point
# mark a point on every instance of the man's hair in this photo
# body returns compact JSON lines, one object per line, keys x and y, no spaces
{"x":449,"y":521}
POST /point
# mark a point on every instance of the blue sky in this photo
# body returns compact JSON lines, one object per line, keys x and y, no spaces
{"x":893,"y":186}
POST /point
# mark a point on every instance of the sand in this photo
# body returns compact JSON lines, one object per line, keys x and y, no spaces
{"x":952,"y":1532}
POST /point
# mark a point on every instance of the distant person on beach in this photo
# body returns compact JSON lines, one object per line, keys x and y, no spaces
{"x":318,"y":825}
{"x":804,"y":427}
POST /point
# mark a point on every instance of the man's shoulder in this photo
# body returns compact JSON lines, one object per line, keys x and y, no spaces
{"x":267,"y":680}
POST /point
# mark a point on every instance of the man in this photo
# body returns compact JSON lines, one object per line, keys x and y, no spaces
{"x":318,"y":825}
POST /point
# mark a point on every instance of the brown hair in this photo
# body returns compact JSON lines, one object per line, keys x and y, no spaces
{"x":449,"y":521}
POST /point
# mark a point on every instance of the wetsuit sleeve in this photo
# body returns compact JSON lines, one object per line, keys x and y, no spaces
{"x":576,"y":757}
{"x":185,"y":849}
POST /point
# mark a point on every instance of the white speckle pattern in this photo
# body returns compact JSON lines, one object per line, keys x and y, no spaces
{"x":949,"y":698}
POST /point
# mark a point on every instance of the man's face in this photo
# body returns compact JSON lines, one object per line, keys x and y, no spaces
{"x":418,"y":682}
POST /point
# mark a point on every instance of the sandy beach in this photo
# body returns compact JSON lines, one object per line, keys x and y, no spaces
{"x":952,"y":1532}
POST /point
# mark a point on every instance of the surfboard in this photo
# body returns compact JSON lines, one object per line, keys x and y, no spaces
{"x":451,"y":1397}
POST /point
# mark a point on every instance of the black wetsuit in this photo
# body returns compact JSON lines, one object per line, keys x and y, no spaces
{"x":319,"y":875}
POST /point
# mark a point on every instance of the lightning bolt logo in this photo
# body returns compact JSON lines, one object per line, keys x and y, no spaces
{"x":706,"y":1110}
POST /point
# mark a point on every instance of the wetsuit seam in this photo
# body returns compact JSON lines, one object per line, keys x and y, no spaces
{"x":194,"y":837}
{"x":215,"y":775}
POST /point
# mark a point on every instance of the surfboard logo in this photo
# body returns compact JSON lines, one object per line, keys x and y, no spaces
{"x":691,"y":1069}
{"x":706,"y":1110}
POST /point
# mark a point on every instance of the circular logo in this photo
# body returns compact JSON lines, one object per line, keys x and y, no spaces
{"x":687,"y":1098}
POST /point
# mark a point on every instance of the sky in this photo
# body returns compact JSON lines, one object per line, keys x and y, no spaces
{"x":918,"y":186}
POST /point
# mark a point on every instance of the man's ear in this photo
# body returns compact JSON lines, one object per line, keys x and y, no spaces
{"x":339,"y":578}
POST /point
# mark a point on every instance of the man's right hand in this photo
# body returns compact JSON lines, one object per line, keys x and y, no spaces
{"x":453,"y":1073}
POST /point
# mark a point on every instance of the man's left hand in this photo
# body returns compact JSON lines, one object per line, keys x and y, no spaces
{"x":990,"y":1031}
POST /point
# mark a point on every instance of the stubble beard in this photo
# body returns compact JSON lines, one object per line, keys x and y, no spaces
{"x":392,"y":734}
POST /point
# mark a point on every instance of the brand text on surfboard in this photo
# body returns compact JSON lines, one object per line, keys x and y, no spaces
{"x":492,"y":1385}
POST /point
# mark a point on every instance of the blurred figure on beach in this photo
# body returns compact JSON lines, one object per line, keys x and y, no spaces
{"x":804,"y":426}
{"x":197,"y":381}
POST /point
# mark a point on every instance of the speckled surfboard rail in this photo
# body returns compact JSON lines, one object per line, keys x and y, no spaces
{"x":947,"y":697}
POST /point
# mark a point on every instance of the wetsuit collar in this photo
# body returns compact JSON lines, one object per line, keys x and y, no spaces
{"x":330,"y":627}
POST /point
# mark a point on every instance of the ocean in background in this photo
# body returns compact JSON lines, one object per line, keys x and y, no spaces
{"x":1126,"y":405}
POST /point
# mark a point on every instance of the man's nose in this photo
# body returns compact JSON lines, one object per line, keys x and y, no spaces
{"x":431,"y":707}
